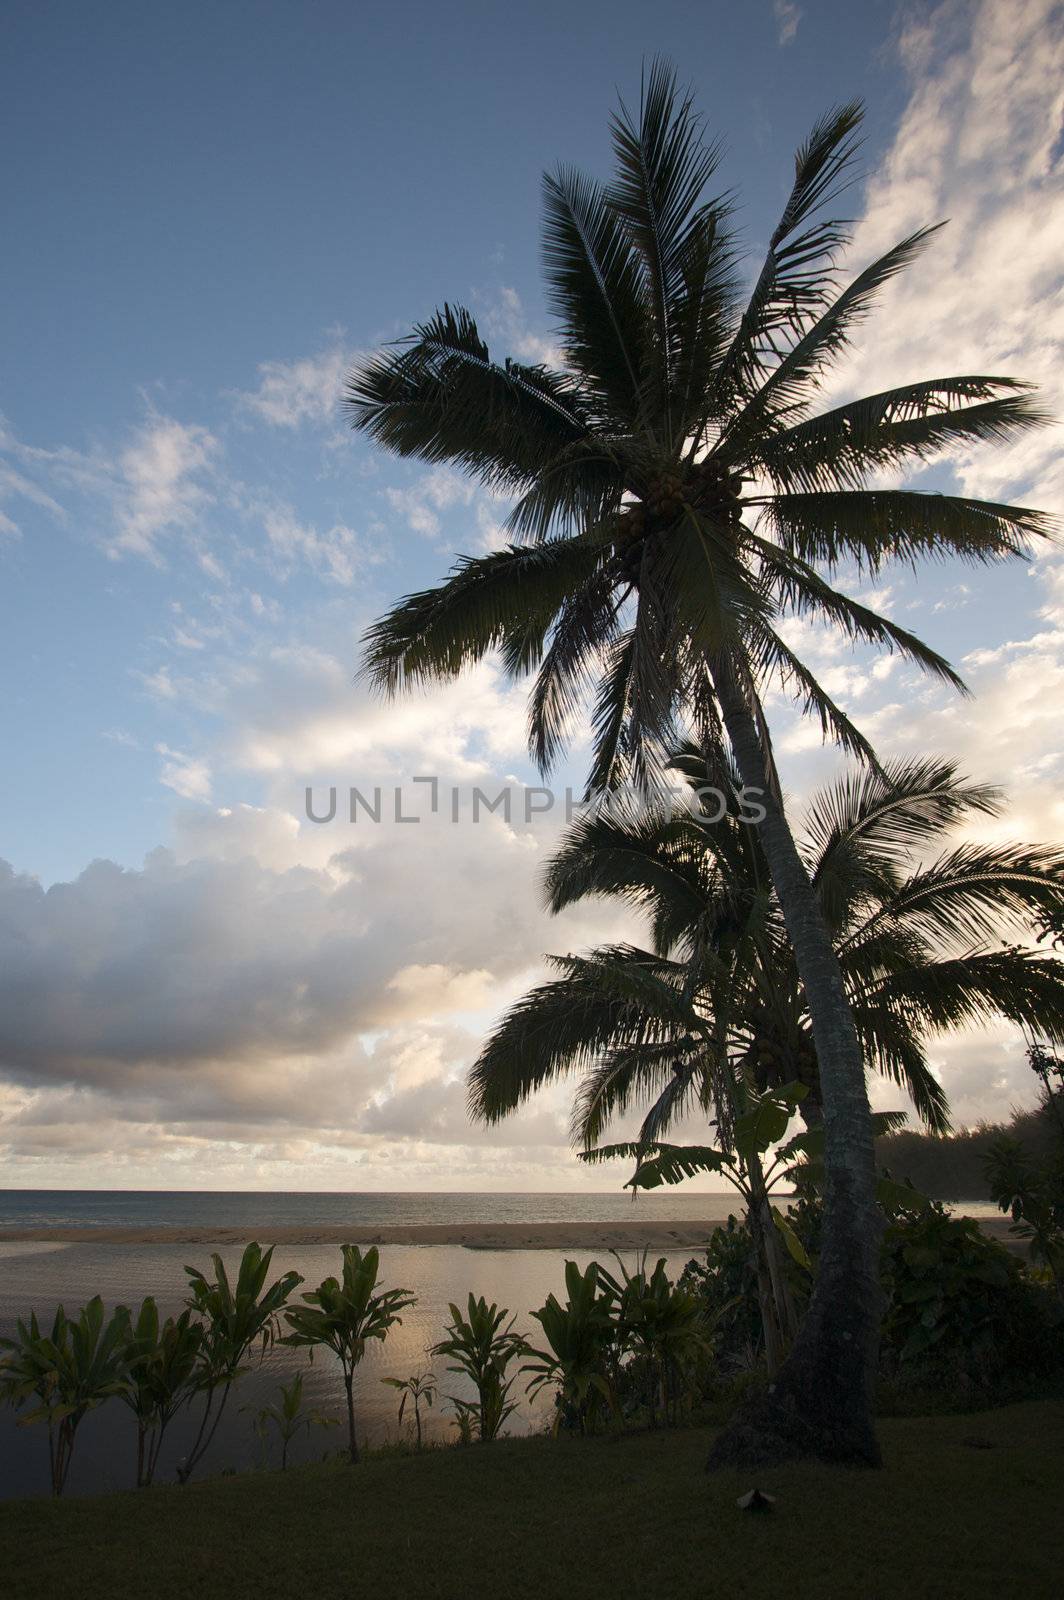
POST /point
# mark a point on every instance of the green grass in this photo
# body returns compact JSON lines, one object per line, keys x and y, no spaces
{"x":628,"y":1517}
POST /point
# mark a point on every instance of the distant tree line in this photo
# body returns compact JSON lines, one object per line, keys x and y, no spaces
{"x":954,"y":1166}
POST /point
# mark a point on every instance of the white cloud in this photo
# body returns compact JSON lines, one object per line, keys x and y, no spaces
{"x":155,"y":485}
{"x":160,"y":484}
{"x":787,"y":16}
{"x":338,"y":554}
{"x":303,"y":390}
{"x":421,"y":503}
{"x":188,"y":776}
{"x":504,"y":321}
{"x":14,"y":483}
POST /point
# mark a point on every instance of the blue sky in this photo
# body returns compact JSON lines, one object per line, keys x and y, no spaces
{"x":211,"y":210}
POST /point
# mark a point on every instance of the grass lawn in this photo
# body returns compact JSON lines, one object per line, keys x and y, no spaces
{"x":625,"y":1517}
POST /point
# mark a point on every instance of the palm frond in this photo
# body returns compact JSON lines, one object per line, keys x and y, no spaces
{"x":1022,"y":986}
{"x":507,"y":599}
{"x":915,"y":423}
{"x":438,"y":396}
{"x":663,"y":165}
{"x":873,"y":526}
{"x":786,"y":390}
{"x":795,"y":279}
{"x":954,"y":898}
{"x":801,"y":591}
{"x":868,"y":817}
{"x":593,"y":284}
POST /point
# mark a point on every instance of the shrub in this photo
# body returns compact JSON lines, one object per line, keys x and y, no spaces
{"x":962,"y":1311}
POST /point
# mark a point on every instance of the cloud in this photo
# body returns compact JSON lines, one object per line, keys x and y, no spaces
{"x":787,"y":16}
{"x":160,"y":484}
{"x":437,"y":491}
{"x":276,"y":1001}
{"x":502,"y":317}
{"x":338,"y":554}
{"x":185,"y":775}
{"x":16,"y":484}
{"x":156,"y":484}
{"x":305,"y":390}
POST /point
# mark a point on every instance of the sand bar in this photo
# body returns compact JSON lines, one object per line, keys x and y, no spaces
{"x":634,"y":1235}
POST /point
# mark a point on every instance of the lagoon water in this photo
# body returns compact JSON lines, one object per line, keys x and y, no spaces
{"x":36,"y":1276}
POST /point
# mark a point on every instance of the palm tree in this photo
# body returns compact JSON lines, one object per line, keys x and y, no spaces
{"x":718,"y":996}
{"x":713,"y":1017}
{"x":343,"y":1314}
{"x":677,"y":499}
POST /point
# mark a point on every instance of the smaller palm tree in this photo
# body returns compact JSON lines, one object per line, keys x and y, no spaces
{"x":235,"y":1319}
{"x":344,"y":1315}
{"x":288,"y":1418}
{"x":482,"y":1345}
{"x":420,"y":1389}
{"x":717,"y":1000}
{"x":163,"y":1360}
{"x":69,"y":1372}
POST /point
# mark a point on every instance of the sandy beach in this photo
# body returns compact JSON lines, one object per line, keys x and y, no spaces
{"x":634,"y":1235}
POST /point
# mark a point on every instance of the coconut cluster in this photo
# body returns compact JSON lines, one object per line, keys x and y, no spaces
{"x":708,"y":487}
{"x":777,"y":1061}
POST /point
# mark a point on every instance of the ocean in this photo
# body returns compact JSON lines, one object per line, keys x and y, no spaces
{"x":38,"y":1276}
{"x":146,"y":1208}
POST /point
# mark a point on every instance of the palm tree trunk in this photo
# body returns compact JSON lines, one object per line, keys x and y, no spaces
{"x":821,"y":1402}
{"x":766,"y":1234}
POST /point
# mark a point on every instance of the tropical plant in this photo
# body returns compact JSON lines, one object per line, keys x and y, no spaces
{"x":1032,"y":1193}
{"x":664,"y":1327}
{"x":714,"y":1017}
{"x":163,"y":1374}
{"x":582,"y":1340}
{"x":482,"y":1348}
{"x":728,"y":1283}
{"x":235,"y":1319}
{"x":1048,"y":1067}
{"x":289,"y":1418}
{"x":718,"y":995}
{"x":67,"y":1372}
{"x":344,"y":1315}
{"x":420,"y":1389}
{"x":958,"y":1302}
{"x":677,"y":500}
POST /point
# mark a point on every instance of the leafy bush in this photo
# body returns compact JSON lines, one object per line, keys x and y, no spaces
{"x":581,"y":1360}
{"x":482,"y":1348}
{"x":664,"y":1330}
{"x":961,"y":1310}
{"x":726,"y":1283}
{"x":68,"y":1372}
{"x":962,"y":1314}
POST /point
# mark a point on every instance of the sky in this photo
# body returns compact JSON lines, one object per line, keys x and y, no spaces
{"x":210,"y":212}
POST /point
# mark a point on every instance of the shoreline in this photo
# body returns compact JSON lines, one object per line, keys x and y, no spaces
{"x":658,"y":1235}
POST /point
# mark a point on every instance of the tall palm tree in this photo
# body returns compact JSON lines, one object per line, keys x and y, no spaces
{"x":718,"y":996}
{"x":676,"y":499}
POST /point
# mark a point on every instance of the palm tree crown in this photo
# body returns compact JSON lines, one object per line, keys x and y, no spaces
{"x":718,"y":997}
{"x":675,"y":493}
